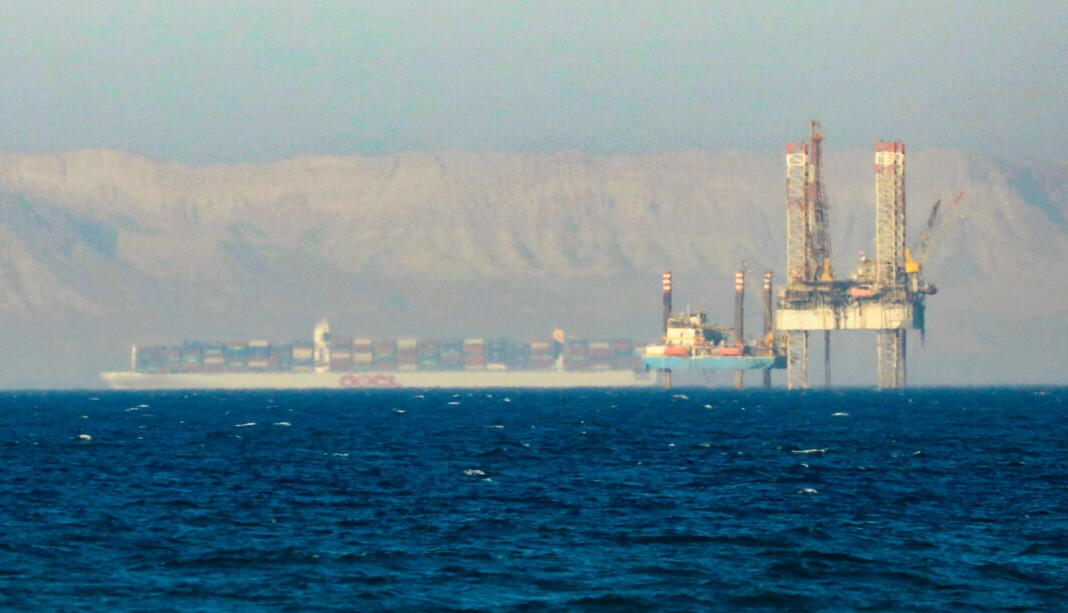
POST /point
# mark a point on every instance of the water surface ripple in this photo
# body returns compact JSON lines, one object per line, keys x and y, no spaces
{"x":705,"y":500}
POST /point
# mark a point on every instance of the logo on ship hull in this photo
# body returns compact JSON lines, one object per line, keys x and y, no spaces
{"x":379,"y":380}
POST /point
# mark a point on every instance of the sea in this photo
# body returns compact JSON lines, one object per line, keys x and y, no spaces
{"x":521,"y":500}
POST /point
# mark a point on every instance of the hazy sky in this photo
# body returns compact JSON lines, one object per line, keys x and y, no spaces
{"x":230,"y":81}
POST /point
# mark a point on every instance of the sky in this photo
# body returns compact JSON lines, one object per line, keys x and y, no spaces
{"x":223,"y":81}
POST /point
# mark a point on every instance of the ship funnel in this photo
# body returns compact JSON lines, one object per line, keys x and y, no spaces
{"x":769,"y":324}
{"x":739,"y":307}
{"x":739,"y":322}
{"x":667,"y":299}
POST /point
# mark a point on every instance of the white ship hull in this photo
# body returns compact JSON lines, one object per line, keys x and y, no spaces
{"x":380,"y":380}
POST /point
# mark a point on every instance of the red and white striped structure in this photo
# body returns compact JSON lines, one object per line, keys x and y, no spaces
{"x":667,"y":299}
{"x":739,"y":321}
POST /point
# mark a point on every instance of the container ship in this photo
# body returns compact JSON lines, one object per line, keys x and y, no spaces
{"x":334,"y":361}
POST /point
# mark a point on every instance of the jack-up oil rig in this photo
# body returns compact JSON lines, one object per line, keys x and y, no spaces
{"x":886,"y":294}
{"x":690,"y":343}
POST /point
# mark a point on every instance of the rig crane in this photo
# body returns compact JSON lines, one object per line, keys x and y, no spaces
{"x":916,"y":258}
{"x":936,"y":225}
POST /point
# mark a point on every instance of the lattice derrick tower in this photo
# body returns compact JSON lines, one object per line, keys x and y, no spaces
{"x":819,"y":213}
{"x":889,"y":214}
{"x":808,"y":240}
{"x":798,"y":229}
{"x":798,"y":260}
{"x":890,"y":255}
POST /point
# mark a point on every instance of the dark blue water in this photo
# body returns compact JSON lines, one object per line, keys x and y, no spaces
{"x":950,"y":500}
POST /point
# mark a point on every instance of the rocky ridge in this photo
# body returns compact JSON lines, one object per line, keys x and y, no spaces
{"x":101,"y":249}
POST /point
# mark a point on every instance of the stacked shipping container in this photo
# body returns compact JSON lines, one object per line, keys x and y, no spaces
{"x":214,"y":357}
{"x":542,"y":354}
{"x":363,"y":355}
{"x":452,"y":355}
{"x":192,"y":357}
{"x":258,"y":356}
{"x":385,"y":355}
{"x":429,"y":355}
{"x":474,"y":350}
{"x":577,"y":354}
{"x":341,"y":349}
{"x":303,"y":356}
{"x":407,"y":354}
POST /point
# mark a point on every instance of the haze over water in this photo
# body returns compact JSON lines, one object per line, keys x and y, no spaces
{"x":226,"y":81}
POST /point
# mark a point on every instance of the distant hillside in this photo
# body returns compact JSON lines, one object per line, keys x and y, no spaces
{"x":101,"y":249}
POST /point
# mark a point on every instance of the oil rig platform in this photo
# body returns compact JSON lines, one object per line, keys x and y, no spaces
{"x":886,"y":294}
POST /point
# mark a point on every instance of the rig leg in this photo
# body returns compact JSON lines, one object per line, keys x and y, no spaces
{"x":902,"y":373}
{"x":797,"y":360}
{"x":767,"y":378}
{"x":891,"y":358}
{"x":738,"y":379}
{"x":826,"y":358}
{"x":666,"y":378}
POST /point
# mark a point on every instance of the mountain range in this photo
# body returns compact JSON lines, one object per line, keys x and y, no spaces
{"x":102,"y":249}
